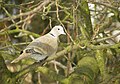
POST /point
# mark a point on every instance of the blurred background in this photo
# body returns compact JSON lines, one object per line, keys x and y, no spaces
{"x":88,"y":54}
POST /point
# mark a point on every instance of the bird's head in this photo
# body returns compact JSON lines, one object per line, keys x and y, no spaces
{"x":57,"y":30}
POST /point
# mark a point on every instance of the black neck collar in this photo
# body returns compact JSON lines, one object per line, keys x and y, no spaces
{"x":52,"y":34}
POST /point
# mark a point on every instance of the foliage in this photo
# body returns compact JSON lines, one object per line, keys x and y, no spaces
{"x":89,"y":54}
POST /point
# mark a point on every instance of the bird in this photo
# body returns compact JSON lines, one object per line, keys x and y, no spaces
{"x":42,"y":47}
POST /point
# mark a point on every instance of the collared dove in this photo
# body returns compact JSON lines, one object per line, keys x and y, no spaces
{"x":42,"y":47}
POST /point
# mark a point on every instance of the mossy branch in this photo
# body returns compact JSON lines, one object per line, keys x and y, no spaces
{"x":62,"y":53}
{"x":17,"y":31}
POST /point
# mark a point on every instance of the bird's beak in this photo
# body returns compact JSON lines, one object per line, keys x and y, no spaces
{"x":64,"y":33}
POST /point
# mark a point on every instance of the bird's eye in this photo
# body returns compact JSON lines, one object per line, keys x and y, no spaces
{"x":58,"y":29}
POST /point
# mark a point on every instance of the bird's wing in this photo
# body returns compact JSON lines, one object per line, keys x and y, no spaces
{"x":36,"y":50}
{"x":43,"y":48}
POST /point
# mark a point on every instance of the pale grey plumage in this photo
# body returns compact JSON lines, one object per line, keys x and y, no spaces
{"x":43,"y":46}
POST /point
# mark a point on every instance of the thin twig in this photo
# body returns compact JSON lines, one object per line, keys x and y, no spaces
{"x":35,"y":10}
{"x":17,"y":44}
{"x":62,"y":23}
{"x":106,"y":5}
{"x":10,"y":16}
{"x":58,"y":64}
{"x":106,"y":38}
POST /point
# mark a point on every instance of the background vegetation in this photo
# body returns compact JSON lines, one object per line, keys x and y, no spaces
{"x":89,"y":54}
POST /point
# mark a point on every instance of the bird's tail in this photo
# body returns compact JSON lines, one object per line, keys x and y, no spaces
{"x":16,"y":60}
{"x":22,"y":56}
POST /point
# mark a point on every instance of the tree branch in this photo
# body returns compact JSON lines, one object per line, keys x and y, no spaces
{"x":61,"y":53}
{"x":106,"y":5}
{"x":106,"y":38}
{"x":39,"y":8}
{"x":18,"y":30}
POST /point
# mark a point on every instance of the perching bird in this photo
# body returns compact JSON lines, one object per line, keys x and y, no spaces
{"x":42,"y":47}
